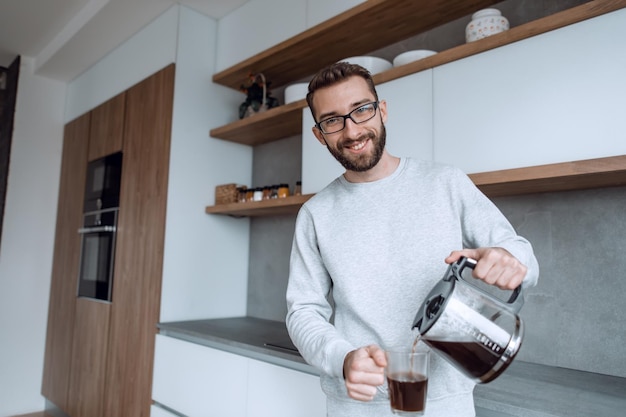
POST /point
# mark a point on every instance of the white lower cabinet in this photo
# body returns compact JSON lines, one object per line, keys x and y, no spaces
{"x":556,"y":97}
{"x":274,"y":391}
{"x":198,"y":381}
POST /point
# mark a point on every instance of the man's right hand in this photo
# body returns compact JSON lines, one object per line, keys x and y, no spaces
{"x":364,"y":370}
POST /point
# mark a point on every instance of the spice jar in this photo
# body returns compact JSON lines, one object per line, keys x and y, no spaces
{"x":274,"y":192}
{"x":250,"y":194}
{"x":298,"y":189}
{"x":283,"y":191}
{"x":241,"y":194}
{"x":267,"y":191}
{"x":258,"y":194}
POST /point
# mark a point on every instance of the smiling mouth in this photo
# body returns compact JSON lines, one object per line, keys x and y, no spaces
{"x":357,"y":145}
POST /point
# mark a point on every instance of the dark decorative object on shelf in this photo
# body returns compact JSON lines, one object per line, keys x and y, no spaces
{"x":258,"y":98}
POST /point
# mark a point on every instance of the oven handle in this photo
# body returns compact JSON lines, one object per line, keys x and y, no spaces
{"x":97,"y":229}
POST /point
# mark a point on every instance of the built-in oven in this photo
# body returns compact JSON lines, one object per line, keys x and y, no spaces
{"x":99,"y":230}
{"x":97,"y":254}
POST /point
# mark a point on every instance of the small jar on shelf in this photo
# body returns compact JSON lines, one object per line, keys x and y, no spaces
{"x":283,"y":190}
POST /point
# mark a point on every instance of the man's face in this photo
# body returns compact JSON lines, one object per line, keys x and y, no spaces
{"x":358,"y":147}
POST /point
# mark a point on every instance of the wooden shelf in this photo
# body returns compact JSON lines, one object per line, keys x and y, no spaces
{"x":286,"y":120}
{"x":273,"y":124}
{"x":565,"y":176}
{"x":576,"y":175}
{"x":366,"y":27}
{"x":274,"y":207}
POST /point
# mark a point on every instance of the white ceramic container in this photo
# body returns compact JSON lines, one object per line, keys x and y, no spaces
{"x":373,"y":64}
{"x":485,"y":23}
{"x":295,"y":92}
{"x":412,"y":56}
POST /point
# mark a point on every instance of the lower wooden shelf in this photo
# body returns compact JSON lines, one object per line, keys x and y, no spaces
{"x":565,"y":176}
{"x":273,"y":207}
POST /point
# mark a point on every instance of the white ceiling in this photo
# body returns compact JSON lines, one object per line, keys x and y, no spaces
{"x":66,"y":37}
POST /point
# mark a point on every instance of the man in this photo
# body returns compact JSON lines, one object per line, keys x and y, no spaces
{"x":369,"y":247}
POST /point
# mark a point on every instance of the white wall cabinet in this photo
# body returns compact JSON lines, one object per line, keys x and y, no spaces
{"x":409,"y":129}
{"x":198,"y":381}
{"x":556,"y":97}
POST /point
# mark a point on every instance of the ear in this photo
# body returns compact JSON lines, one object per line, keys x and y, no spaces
{"x":382,"y":106}
{"x":319,"y":135}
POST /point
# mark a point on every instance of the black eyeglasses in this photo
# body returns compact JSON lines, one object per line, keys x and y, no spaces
{"x":338,"y":123}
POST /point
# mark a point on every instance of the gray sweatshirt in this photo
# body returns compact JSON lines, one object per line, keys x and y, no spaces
{"x":365,"y":256}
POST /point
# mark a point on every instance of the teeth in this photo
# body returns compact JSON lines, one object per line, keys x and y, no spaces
{"x":358,"y":145}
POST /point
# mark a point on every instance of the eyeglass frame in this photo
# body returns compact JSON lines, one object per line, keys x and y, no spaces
{"x":349,"y":116}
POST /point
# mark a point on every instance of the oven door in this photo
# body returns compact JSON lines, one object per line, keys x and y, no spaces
{"x":97,"y":255}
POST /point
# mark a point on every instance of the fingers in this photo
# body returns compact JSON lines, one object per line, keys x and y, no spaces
{"x":364,"y":370}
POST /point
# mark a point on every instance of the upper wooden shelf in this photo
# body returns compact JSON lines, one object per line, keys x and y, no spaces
{"x":286,"y":120}
{"x":366,"y":27}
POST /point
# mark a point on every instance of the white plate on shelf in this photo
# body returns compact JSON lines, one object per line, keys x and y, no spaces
{"x":412,"y":56}
{"x":373,"y":64}
{"x":295,"y":92}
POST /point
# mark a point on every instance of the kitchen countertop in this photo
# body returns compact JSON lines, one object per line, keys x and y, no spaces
{"x":260,"y":339}
{"x":534,"y":390}
{"x":524,"y":390}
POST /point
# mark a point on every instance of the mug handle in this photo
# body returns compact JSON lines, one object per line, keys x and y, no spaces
{"x":515,"y":301}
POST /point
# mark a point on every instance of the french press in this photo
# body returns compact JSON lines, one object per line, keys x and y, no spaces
{"x":470,"y":328}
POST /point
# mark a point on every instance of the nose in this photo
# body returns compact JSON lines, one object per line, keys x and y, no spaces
{"x":350,"y":126}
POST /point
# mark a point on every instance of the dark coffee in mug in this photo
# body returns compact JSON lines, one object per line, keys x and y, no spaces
{"x":407,"y":391}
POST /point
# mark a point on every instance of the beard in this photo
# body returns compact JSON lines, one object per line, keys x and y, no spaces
{"x":363,"y":162}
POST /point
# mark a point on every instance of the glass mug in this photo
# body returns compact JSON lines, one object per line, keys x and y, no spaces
{"x":407,"y":379}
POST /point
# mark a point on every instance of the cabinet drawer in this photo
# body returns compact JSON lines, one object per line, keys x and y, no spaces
{"x":198,"y":381}
{"x":274,"y":391}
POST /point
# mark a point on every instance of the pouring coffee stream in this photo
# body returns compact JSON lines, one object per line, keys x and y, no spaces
{"x":471,"y":329}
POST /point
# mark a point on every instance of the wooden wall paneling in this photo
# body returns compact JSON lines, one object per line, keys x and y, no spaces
{"x":107,"y":127}
{"x":140,"y":239}
{"x":63,"y":286}
{"x":89,"y":358}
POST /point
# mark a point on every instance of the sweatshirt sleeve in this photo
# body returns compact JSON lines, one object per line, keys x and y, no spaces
{"x":308,"y":308}
{"x":484,"y":225}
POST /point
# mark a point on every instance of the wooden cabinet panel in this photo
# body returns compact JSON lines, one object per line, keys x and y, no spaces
{"x":89,"y":358}
{"x":65,"y":263}
{"x":107,"y":127}
{"x":139,"y":253}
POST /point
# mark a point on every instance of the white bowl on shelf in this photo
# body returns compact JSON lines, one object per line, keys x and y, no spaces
{"x":295,"y":92}
{"x":373,"y":64}
{"x":412,"y":56}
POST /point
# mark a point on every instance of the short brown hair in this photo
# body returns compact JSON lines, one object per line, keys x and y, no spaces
{"x":334,"y":74}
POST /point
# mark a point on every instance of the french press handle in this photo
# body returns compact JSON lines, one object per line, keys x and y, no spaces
{"x":515,"y":301}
